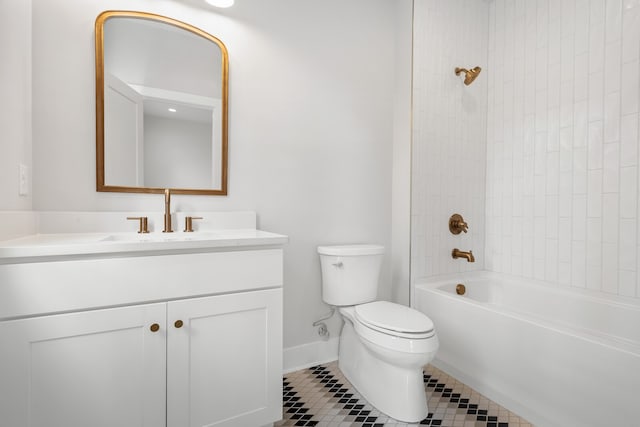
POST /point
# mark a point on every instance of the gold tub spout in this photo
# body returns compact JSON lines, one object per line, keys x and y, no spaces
{"x":457,"y":253}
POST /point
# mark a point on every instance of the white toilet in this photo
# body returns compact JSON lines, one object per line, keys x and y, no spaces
{"x":383,"y":346}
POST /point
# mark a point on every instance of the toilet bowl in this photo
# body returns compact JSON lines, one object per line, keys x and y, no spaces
{"x":383,"y":345}
{"x":385,"y":366}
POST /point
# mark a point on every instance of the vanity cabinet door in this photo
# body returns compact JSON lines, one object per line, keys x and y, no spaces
{"x":100,"y":368}
{"x":224,"y":361}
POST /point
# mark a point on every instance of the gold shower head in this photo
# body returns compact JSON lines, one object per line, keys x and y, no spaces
{"x":469,"y":75}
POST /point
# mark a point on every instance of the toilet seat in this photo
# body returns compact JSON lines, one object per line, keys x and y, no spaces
{"x":390,"y":340}
{"x":394,"y":319}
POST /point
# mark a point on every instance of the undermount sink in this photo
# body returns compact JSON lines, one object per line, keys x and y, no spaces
{"x":159,"y":237}
{"x":81,"y":244}
{"x":55,"y":239}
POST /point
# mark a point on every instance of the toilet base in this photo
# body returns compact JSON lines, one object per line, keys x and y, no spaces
{"x":396,"y":389}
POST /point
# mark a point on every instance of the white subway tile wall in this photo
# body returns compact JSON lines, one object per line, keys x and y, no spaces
{"x":449,"y":134}
{"x":576,"y":78}
{"x":563,"y":98}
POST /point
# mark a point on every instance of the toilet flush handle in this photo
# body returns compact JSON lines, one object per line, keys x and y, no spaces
{"x":337,"y":264}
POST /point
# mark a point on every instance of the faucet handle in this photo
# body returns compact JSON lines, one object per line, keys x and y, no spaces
{"x":457,"y":224}
{"x":143,"y":223}
{"x":188,"y":223}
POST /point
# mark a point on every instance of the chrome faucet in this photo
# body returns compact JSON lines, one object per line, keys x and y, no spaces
{"x":167,"y":211}
{"x":457,"y":253}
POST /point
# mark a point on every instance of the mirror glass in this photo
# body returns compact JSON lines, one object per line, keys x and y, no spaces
{"x":161,"y":106}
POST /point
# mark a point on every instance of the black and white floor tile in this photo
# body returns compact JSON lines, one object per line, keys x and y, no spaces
{"x":320,"y":396}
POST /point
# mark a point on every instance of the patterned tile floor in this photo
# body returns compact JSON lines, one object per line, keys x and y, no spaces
{"x":321,"y":396}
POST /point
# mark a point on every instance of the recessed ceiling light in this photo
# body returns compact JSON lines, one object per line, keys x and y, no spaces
{"x":173,"y":110}
{"x":220,"y":3}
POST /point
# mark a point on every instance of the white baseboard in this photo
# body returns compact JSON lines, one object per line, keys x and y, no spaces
{"x":306,"y":355}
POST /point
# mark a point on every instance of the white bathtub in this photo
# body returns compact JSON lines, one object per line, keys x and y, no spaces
{"x":558,"y":357}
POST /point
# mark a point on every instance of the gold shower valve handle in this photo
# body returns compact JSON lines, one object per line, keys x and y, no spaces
{"x":457,"y":224}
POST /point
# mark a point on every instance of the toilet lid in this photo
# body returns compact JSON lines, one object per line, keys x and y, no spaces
{"x":384,"y":315}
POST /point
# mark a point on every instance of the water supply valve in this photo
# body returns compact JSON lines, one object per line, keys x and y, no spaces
{"x":457,"y":224}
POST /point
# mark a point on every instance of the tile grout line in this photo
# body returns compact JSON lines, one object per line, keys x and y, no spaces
{"x":343,"y":397}
{"x":446,"y":393}
{"x":292,"y":405}
{"x":354,"y":405}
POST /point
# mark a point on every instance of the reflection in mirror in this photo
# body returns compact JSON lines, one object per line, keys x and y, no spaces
{"x":161,"y":106}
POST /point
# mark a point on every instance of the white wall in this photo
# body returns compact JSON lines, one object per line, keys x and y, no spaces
{"x":311,"y":124}
{"x":564,"y":96}
{"x":449,"y":134}
{"x":401,"y":178}
{"x":15,"y":101}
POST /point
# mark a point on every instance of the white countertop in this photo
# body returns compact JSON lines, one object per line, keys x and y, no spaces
{"x":34,"y":247}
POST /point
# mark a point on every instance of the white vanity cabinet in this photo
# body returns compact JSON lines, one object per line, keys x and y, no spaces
{"x":224,"y":365}
{"x":169,"y":339}
{"x":92,"y":368}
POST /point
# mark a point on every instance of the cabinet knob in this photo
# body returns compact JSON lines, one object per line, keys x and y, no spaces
{"x":155,"y":327}
{"x":178,"y":324}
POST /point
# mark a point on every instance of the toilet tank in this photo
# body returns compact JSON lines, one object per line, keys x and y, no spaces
{"x":350,"y":273}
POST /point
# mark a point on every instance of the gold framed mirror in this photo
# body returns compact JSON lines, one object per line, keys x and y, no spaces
{"x":161,"y":106}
